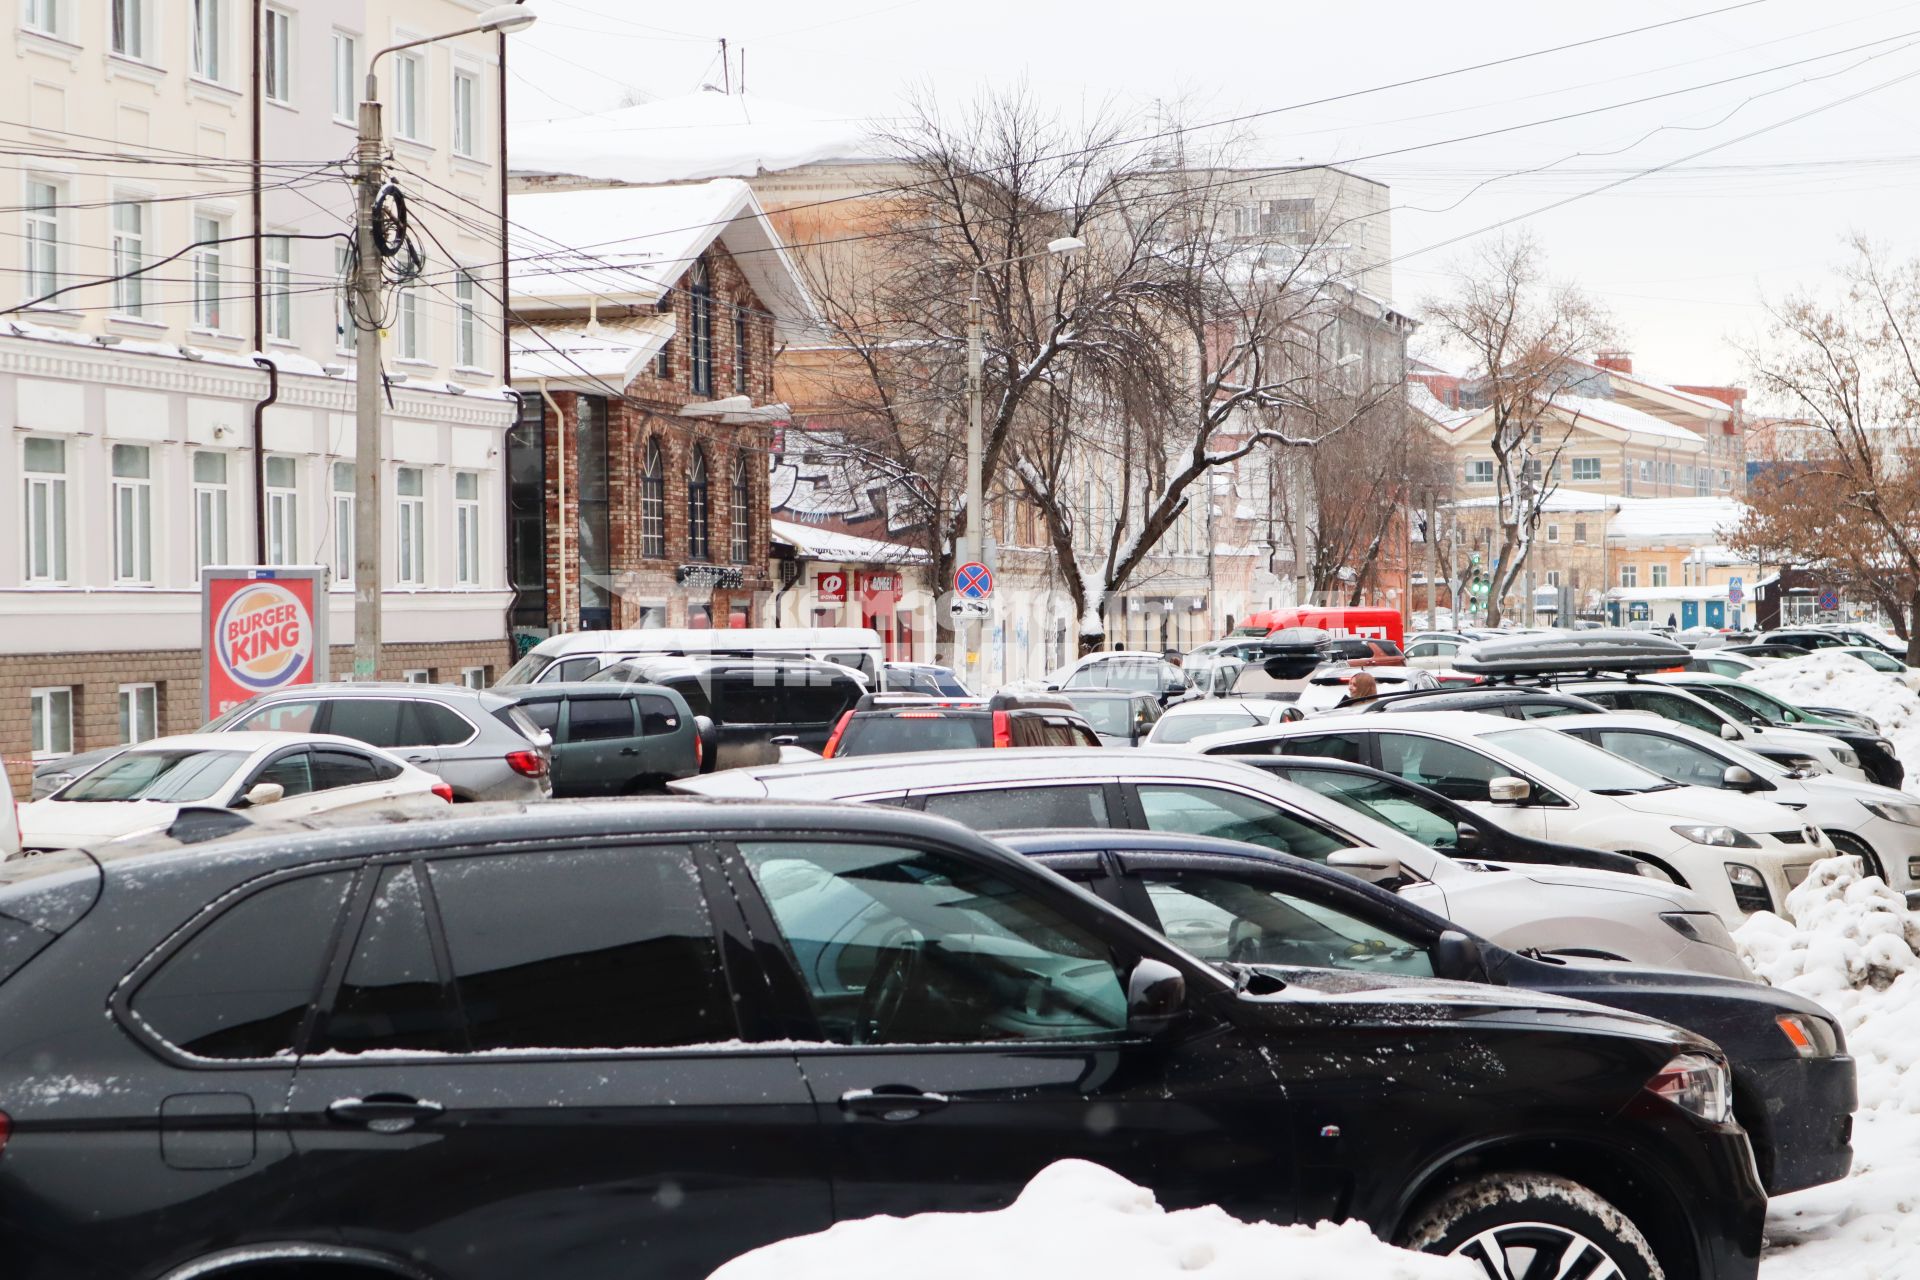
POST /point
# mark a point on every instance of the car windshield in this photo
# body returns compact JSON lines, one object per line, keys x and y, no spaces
{"x":1142,"y":676}
{"x":1401,"y":808}
{"x":169,"y":777}
{"x":1176,"y":729}
{"x":889,"y":732}
{"x":1727,"y":701}
{"x":528,"y":669}
{"x":1111,"y":716}
{"x":1580,"y":763}
{"x":1776,"y":710}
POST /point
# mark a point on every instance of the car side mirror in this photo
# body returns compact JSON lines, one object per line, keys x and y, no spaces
{"x":1376,"y":866}
{"x":1466,"y":837}
{"x":1729,"y":731}
{"x":258,"y":794}
{"x":1509,"y":790}
{"x":1739,"y":778}
{"x":1156,"y":995}
{"x":1458,"y":956}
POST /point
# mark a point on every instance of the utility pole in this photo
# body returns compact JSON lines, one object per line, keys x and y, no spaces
{"x":366,"y":384}
{"x":971,"y":545}
{"x":1433,"y":557}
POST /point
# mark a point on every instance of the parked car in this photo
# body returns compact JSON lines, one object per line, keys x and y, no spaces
{"x":1765,"y":653}
{"x":1228,"y":903}
{"x":1554,"y":909}
{"x":1882,"y":661}
{"x":1188,"y":720}
{"x":1739,"y":854}
{"x":1354,"y":651}
{"x":1770,"y":713}
{"x":581,"y":655}
{"x":56,"y":772}
{"x":1121,"y":717}
{"x":9,"y":827}
{"x":535,"y":1043}
{"x":614,"y":739}
{"x":1331,"y":687}
{"x":1211,"y":675}
{"x":890,"y":723}
{"x":757,"y":705}
{"x":1141,"y":672}
{"x":146,"y":786}
{"x":1808,"y":638}
{"x":1517,"y":702}
{"x":1434,"y":653}
{"x":922,"y":677}
{"x":472,"y":739}
{"x":1720,"y":662}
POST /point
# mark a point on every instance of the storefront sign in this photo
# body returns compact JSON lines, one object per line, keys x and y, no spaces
{"x":830,"y":586}
{"x":261,"y":629}
{"x":879,"y":592}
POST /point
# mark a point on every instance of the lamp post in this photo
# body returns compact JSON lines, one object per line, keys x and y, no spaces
{"x":366,"y":311}
{"x":973,"y":544}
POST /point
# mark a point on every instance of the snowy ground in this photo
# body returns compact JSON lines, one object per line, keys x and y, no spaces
{"x":1853,"y":949}
{"x":1828,"y":679}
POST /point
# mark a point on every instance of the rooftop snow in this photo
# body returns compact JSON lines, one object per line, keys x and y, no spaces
{"x":593,"y":358}
{"x":1624,"y":417}
{"x":1558,"y":500}
{"x":1695,"y":520}
{"x":827,"y":544}
{"x":1422,"y":401}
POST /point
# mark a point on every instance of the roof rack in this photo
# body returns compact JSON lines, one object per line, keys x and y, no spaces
{"x":1595,"y":652}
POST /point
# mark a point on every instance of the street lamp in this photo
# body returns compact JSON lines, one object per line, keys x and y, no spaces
{"x":366,"y":289}
{"x":973,"y":545}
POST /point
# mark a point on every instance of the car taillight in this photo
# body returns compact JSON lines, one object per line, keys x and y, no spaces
{"x":833,"y":743}
{"x":699,"y":751}
{"x":530,"y":764}
{"x":444,"y":791}
{"x":1002,"y":729}
{"x":920,"y":715}
{"x":6,"y":1129}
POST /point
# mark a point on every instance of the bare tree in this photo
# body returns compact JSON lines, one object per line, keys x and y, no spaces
{"x":1519,"y":330}
{"x":1364,"y":482}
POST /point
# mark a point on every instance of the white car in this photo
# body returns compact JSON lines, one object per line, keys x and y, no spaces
{"x":1568,"y":911}
{"x":1791,"y":748}
{"x":1885,"y":663}
{"x":9,"y":825}
{"x":1185,"y":721}
{"x":1739,"y":853}
{"x":293,"y":775}
{"x":1876,"y":823}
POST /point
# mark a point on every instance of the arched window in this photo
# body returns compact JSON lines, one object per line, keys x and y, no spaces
{"x":742,"y":511}
{"x":653,"y":503}
{"x":700,"y":326}
{"x":697,"y":508}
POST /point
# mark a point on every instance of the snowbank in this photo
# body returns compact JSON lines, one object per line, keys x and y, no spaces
{"x":1079,"y":1219}
{"x":1853,"y":948}
{"x":1827,"y":679}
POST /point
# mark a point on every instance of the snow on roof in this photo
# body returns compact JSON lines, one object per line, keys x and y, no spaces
{"x":590,"y":359}
{"x":1668,"y":593}
{"x":1422,"y":401}
{"x":1664,"y":388}
{"x":1558,"y":500}
{"x":1624,"y":417}
{"x":826,"y":544}
{"x":1679,"y":520}
{"x":690,"y":138}
{"x":628,"y":245}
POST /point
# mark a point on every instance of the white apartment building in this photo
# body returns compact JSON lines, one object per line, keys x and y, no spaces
{"x":201,"y":412}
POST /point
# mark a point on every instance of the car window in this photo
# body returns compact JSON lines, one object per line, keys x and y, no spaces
{"x":1336,"y":746}
{"x":1004,"y":808}
{"x":1449,"y":768}
{"x":277,"y":717}
{"x":1175,"y":729}
{"x":571,"y":669}
{"x":657,"y":714}
{"x":814,"y":699}
{"x":693,"y":693}
{"x":336,"y":768}
{"x":1111,"y":716}
{"x":908,"y":946}
{"x":582,"y":949}
{"x":1681,"y":761}
{"x":891,"y":732}
{"x":745,"y":697}
{"x":1772,"y":709}
{"x":1669,"y":706}
{"x":599,"y":719}
{"x":1541,"y":710}
{"x":171,"y":777}
{"x":1400,"y":807}
{"x":545,"y":715}
{"x":241,"y":985}
{"x":374,"y":721}
{"x":1229,"y":815}
{"x":1219,"y":918}
{"x":392,"y":997}
{"x":293,"y":771}
{"x":428,"y":724}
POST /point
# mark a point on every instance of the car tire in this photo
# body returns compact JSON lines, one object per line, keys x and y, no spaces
{"x":1501,"y":1219}
{"x":1847,"y":842}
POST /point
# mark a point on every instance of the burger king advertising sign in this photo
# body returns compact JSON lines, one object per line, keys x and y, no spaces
{"x":264,"y":629}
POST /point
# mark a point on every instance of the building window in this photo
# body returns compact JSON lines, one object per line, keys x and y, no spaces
{"x":129,"y":250}
{"x":466,"y":322}
{"x":1553,"y":533}
{"x":742,"y":503}
{"x":129,"y":22}
{"x":411,"y":342}
{"x":527,"y":513}
{"x":409,"y":114}
{"x":653,"y":504}
{"x":417,"y":675}
{"x":596,"y":513}
{"x":1553,"y":577}
{"x":42,"y":238}
{"x":1646,"y":469}
{"x":132,"y":513}
{"x":466,"y":94}
{"x":410,"y":494}
{"x":45,"y":510}
{"x":346,"y":93}
{"x":1629,"y":575}
{"x":1659,"y":575}
{"x":1579,"y":531}
{"x":341,"y":544}
{"x":44,"y":16}
{"x":346,"y":332}
{"x":474,"y":677}
{"x":1586,"y":469}
{"x":700,"y":326}
{"x":209,"y":32}
{"x":697,"y":508}
{"x":50,"y":722}
{"x":740,"y":349}
{"x":139,"y":712}
{"x":466,"y":528}
{"x":207,"y":270}
{"x":276,"y":32}
{"x":276,"y":256}
{"x":283,"y":511}
{"x":1480,"y":471}
{"x":209,"y":509}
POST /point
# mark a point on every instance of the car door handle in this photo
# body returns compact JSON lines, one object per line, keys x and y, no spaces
{"x":419,"y":759}
{"x":893,"y":1103}
{"x":629,"y":751}
{"x":384,"y":1112}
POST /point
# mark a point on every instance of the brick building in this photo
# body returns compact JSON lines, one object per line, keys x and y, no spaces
{"x":644,"y":362}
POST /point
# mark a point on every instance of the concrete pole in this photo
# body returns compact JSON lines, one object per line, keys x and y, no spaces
{"x":968,"y":632}
{"x":366,"y":436}
{"x":1433,"y":559}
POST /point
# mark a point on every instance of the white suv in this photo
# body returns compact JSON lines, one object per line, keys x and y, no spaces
{"x":1793,"y":748}
{"x":1739,"y":853}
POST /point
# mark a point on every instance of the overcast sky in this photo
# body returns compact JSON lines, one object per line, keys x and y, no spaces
{"x":1683,"y":258}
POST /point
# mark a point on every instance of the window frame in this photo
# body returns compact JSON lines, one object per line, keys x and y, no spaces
{"x":276,"y":278}
{"x":345,"y":89}
{"x":465,"y":116}
{"x":212,"y":509}
{"x":466,"y":531}
{"x":276,"y":56}
{"x":55,"y":487}
{"x":699,"y":507}
{"x":653,"y":501}
{"x":407,"y":328}
{"x":127,"y":251}
{"x":207,"y":40}
{"x":45,"y":695}
{"x":410,"y":529}
{"x":43,"y":225}
{"x":740,"y":515}
{"x":466,"y":321}
{"x":1479,"y":471}
{"x":209,"y":270}
{"x":700,"y":326}
{"x":129,"y":697}
{"x":742,"y":338}
{"x":43,"y":17}
{"x":340,"y":543}
{"x":283,"y":510}
{"x":410,"y":122}
{"x":130,"y":518}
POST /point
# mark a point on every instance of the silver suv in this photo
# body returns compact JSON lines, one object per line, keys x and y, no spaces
{"x":479,"y":742}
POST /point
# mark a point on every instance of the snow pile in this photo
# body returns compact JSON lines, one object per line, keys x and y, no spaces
{"x":1828,"y":679}
{"x":1079,"y":1219}
{"x":1852,"y":947}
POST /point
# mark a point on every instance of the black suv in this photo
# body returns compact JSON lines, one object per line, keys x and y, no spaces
{"x":552,"y":1041}
{"x":753,"y":705}
{"x":889,"y":723}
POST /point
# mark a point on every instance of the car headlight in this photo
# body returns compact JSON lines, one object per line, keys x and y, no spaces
{"x":1894,"y":811}
{"x":1746,"y":877}
{"x":1697,"y":1083}
{"x":1810,"y":1037}
{"x":1722,"y":837}
{"x":1881,"y":744}
{"x":1846,"y":757}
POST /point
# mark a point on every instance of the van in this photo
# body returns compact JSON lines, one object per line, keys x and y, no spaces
{"x":580,"y":655}
{"x":1363,"y":624}
{"x":755,"y":705}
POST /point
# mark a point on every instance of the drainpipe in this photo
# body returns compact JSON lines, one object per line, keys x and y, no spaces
{"x":506,"y":509}
{"x":560,"y":456}
{"x":260,"y":456}
{"x":259,"y":279}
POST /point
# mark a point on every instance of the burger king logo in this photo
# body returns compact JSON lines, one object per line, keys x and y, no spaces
{"x":263,"y":636}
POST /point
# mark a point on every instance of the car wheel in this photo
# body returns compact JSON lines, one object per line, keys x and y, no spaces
{"x":1846,"y":842}
{"x":1515,"y":1224}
